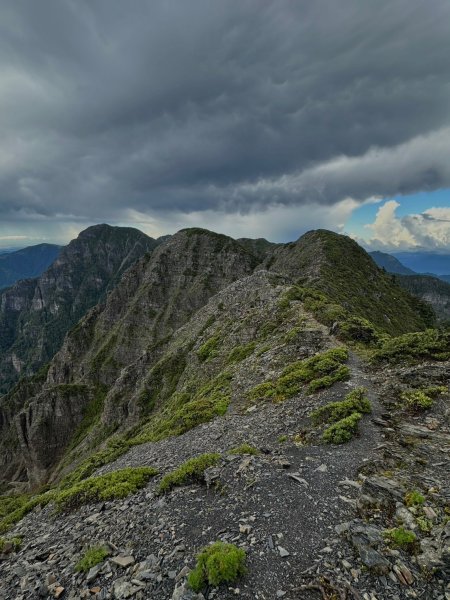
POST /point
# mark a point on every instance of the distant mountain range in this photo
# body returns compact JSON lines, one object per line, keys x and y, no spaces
{"x":431,"y":263}
{"x":25,"y":263}
{"x":435,"y":289}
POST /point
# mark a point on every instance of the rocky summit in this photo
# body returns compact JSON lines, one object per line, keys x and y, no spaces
{"x":220,"y":418}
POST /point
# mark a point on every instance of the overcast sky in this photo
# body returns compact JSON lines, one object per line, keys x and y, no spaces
{"x":250,"y":117}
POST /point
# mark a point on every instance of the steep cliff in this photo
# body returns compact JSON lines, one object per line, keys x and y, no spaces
{"x":154,"y":298}
{"x":35,"y":314}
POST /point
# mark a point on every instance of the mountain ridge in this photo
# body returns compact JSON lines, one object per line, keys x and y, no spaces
{"x":221,"y":393}
{"x":36,"y":313}
{"x":103,"y":359}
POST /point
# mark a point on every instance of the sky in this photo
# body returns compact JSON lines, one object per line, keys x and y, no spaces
{"x":255,"y":118}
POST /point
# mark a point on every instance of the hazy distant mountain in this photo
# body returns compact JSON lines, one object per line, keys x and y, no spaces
{"x":425,"y":262}
{"x":25,"y":263}
{"x":390,"y":263}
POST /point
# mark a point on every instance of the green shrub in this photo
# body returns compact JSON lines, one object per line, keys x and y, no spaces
{"x":422,"y":399}
{"x":16,"y":542}
{"x":412,"y":347}
{"x":244,"y":449}
{"x":417,"y":400}
{"x":209,"y":349}
{"x":319,"y":371}
{"x":191,"y":471}
{"x":357,"y":329}
{"x":118,"y":484}
{"x":355,"y":401}
{"x":343,"y":430}
{"x":216,"y":564}
{"x":93,"y":556}
{"x":401,"y":537}
{"x":414,"y":498}
{"x":241,"y":352}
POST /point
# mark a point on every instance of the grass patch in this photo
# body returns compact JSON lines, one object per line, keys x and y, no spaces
{"x":184,"y":411}
{"x":244,"y":449}
{"x":355,"y":401}
{"x":118,"y":484}
{"x":414,"y":498}
{"x":9,"y":504}
{"x":24,"y":508}
{"x":216,"y":564}
{"x":114,"y":448}
{"x":413,"y":347}
{"x":10,"y":543}
{"x":319,"y":371}
{"x":422,"y":399}
{"x":93,"y":556}
{"x":192,"y":471}
{"x":209,"y":350}
{"x":241,"y":352}
{"x":401,"y":538}
{"x":342,"y":431}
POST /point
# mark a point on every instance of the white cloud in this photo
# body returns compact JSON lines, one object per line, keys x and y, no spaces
{"x":278,"y":223}
{"x":429,"y":230}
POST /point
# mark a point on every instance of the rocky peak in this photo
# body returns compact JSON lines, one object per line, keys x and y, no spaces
{"x":35,"y":314}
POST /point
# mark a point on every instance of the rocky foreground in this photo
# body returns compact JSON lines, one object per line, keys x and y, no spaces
{"x":314,"y":519}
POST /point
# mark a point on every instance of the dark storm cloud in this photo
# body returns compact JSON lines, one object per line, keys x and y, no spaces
{"x":162,"y":106}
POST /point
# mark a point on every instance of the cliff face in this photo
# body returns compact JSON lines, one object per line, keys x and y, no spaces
{"x":154,"y":298}
{"x":166,"y":332}
{"x":35,"y":314}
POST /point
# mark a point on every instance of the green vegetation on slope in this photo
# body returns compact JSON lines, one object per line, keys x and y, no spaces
{"x":93,"y":556}
{"x":192,"y":471}
{"x":354,"y":401}
{"x":342,"y":431}
{"x":216,"y":564}
{"x":412,"y":347}
{"x":337,"y":267}
{"x":319,"y":371}
{"x":117,"y":484}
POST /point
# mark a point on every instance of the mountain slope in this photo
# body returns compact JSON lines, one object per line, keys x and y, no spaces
{"x":431,"y":289}
{"x":338,"y":267}
{"x":124,"y":361}
{"x":35,"y":314}
{"x":154,"y":298}
{"x":25,"y":263}
{"x":390,"y":263}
